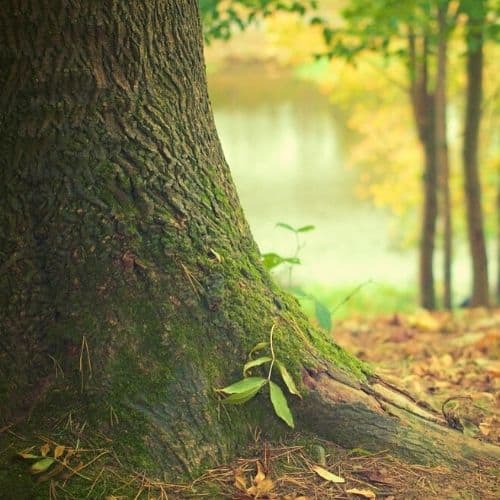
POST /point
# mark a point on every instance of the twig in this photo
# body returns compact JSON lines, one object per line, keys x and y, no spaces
{"x":351,"y":295}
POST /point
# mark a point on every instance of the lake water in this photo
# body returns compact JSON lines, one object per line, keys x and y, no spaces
{"x":287,"y":148}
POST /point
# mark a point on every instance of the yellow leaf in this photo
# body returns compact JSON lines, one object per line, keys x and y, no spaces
{"x":26,"y":454}
{"x":327,"y":475}
{"x":260,"y":476}
{"x":44,"y":450}
{"x":240,"y":481}
{"x":59,"y":451}
{"x":261,"y":489}
{"x":362,"y":493}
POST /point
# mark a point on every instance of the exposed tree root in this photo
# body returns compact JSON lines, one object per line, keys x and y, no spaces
{"x":377,"y":416}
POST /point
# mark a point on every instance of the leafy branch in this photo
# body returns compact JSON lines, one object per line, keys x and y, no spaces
{"x":245,"y":389}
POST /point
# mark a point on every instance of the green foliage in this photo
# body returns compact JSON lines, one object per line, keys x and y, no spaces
{"x":384,"y":26}
{"x":377,"y":298}
{"x":280,"y":404}
{"x":323,"y":315}
{"x":222,"y":19}
{"x":272,"y":260}
{"x":245,"y":389}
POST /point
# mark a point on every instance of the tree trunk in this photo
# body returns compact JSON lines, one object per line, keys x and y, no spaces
{"x":423,"y":106}
{"x":442,"y":152}
{"x":130,"y":284}
{"x":472,"y":185}
{"x":498,"y":235}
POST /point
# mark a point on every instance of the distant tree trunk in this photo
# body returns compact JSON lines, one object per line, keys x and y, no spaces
{"x":130,"y":285}
{"x":472,"y":185}
{"x":498,"y":234}
{"x":423,"y":105}
{"x":442,"y":153}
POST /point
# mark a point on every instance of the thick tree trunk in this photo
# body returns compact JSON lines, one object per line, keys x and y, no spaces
{"x":472,"y":184}
{"x":129,"y":282}
{"x":442,"y":153}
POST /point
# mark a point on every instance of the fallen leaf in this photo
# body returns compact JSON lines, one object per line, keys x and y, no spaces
{"x":44,"y":450}
{"x":260,"y":476}
{"x":27,"y":455}
{"x":361,"y":493}
{"x":262,"y":489}
{"x":327,"y":475}
{"x":42,"y":465}
{"x":240,"y":481}
{"x":59,"y":451}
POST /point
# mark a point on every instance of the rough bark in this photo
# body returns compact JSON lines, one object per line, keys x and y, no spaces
{"x":442,"y":153}
{"x":472,"y":184}
{"x":423,"y":106}
{"x":129,"y":280}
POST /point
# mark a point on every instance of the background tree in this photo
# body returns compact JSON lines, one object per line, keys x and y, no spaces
{"x":476,"y":20}
{"x":405,"y":30}
{"x":129,"y":281}
{"x":442,"y":149}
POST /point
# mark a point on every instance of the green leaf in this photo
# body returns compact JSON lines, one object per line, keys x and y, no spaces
{"x":243,"y":397}
{"x":280,"y":404}
{"x":287,"y":378}
{"x":42,"y":465}
{"x":305,"y":229}
{"x":298,"y":292}
{"x":244,"y":385}
{"x":271,"y":260}
{"x":323,"y":315}
{"x":258,"y":347}
{"x":255,"y":362}
{"x":286,"y":226}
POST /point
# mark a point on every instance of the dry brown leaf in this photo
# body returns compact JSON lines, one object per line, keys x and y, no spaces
{"x":361,"y":493}
{"x":59,"y":451}
{"x":44,"y":449}
{"x":239,"y":480}
{"x":263,"y":488}
{"x":260,"y":476}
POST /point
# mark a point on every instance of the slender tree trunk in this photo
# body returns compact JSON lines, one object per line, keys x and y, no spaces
{"x":442,"y":153}
{"x":472,"y":185}
{"x":498,"y":235}
{"x":423,"y":105}
{"x":130,"y":284}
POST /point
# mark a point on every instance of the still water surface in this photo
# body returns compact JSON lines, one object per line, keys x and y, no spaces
{"x":287,"y":148}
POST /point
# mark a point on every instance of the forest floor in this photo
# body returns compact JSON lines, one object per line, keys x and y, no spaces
{"x":450,"y":361}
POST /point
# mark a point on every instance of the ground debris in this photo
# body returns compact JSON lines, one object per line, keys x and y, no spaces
{"x":450,"y":361}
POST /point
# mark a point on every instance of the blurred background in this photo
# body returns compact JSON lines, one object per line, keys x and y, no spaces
{"x":316,"y":105}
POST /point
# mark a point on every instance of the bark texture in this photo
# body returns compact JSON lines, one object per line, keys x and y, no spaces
{"x":129,"y":281}
{"x":424,"y":112}
{"x":442,"y":153}
{"x":472,"y":184}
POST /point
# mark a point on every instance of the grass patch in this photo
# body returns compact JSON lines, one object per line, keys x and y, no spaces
{"x":368,"y":300}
